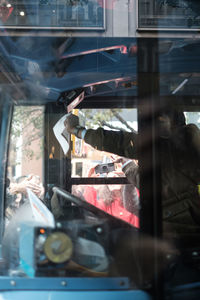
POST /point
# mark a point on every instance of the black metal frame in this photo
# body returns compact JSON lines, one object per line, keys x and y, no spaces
{"x":5,"y":122}
{"x":149,"y":158}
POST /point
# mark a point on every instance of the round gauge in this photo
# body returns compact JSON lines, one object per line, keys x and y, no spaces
{"x":58,"y":247}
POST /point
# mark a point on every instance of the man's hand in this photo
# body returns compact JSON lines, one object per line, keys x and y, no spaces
{"x":71,"y":122}
{"x":32,"y":182}
{"x":37,"y":189}
{"x":121,"y":160}
{"x":72,"y":125}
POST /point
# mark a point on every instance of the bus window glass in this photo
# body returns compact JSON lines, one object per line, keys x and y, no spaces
{"x":85,"y":157}
{"x":179,"y":156}
{"x":79,"y":212}
{"x":192,"y":117}
{"x":25,"y":158}
{"x":169,"y":15}
{"x":75,"y":234}
{"x":120,"y":201}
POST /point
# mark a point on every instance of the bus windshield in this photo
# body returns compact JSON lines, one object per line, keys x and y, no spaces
{"x":100,"y":148}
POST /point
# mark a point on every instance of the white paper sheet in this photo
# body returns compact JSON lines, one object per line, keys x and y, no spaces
{"x":58,"y":131}
{"x":40,"y":212}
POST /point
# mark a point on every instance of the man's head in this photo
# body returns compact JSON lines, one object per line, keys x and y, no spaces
{"x":168,"y":120}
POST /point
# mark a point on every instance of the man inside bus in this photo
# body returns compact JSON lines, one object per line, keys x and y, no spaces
{"x":180,"y":161}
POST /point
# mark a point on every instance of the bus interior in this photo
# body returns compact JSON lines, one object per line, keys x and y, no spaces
{"x":70,"y":227}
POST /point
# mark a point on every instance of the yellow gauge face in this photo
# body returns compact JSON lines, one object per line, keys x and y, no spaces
{"x":58,"y":247}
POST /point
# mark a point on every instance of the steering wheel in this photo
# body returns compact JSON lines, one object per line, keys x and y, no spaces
{"x":113,"y":221}
{"x":79,"y":202}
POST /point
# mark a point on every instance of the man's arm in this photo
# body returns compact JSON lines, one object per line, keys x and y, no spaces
{"x":131,"y":170}
{"x":118,"y":142}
